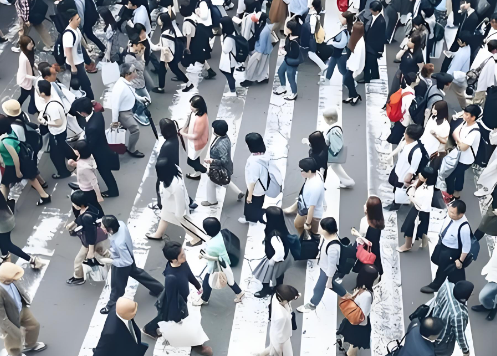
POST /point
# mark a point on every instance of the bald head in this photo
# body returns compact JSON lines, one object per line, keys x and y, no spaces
{"x":126,"y":308}
{"x":431,"y":327}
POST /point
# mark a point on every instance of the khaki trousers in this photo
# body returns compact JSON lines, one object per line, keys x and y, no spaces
{"x":101,"y":250}
{"x":13,"y":342}
{"x":479,"y":98}
{"x":460,"y":94}
{"x":42,"y":31}
{"x":300,"y":221}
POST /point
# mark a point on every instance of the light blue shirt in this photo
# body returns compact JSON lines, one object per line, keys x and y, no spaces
{"x":461,"y":60}
{"x":442,"y":6}
{"x":121,"y":247}
{"x":263,"y":44}
{"x":298,"y":7}
{"x":14,"y":293}
{"x":140,"y":15}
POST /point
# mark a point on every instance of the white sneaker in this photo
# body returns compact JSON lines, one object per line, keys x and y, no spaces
{"x":199,"y":302}
{"x":5,"y":2}
{"x":47,"y":49}
{"x":230,"y":94}
{"x":306,"y":308}
{"x":291,"y":97}
{"x":449,"y":54}
{"x":15,"y":49}
{"x":229,"y":7}
{"x":242,"y":220}
{"x":280,"y":90}
{"x":480,"y":193}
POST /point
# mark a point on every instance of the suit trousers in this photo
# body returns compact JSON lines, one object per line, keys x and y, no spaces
{"x":13,"y":340}
{"x":128,"y":121}
{"x":59,"y":151}
{"x":108,"y":178}
{"x":119,"y":280}
{"x":101,"y":249}
{"x":448,"y":256}
{"x":371,"y":70}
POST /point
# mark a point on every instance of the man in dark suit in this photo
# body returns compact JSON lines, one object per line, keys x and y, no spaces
{"x":120,"y":335}
{"x":375,"y":41}
{"x":468,"y":24}
{"x":421,"y":336}
{"x":95,"y":136}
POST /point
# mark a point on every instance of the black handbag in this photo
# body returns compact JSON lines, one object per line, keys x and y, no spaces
{"x":37,"y":11}
{"x":219,"y":175}
{"x":302,"y":208}
{"x":435,"y":256}
{"x":309,"y":249}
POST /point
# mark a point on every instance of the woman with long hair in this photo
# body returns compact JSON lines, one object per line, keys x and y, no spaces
{"x":271,"y":270}
{"x":112,"y":34}
{"x":436,"y":133}
{"x":227,"y":63}
{"x":421,"y":195}
{"x":375,"y":224}
{"x":359,"y":336}
{"x":26,"y":72}
{"x":196,"y":131}
{"x":339,"y":42}
{"x":355,"y":62}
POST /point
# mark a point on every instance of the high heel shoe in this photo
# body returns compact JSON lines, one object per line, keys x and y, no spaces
{"x":355,"y":100}
{"x":347,"y":101}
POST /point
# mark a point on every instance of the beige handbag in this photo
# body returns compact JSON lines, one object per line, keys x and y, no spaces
{"x":218,"y":279}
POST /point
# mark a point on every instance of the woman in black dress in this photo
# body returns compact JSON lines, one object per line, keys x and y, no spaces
{"x":376,"y":223}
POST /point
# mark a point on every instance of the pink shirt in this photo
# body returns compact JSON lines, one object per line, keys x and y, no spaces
{"x":87,"y":178}
{"x":25,"y":73}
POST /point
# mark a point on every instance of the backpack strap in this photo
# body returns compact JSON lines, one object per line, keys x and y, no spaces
{"x":459,"y":241}
{"x":336,"y":126}
{"x":470,"y":146}
{"x":409,"y":156}
{"x":334,"y":242}
{"x":73,"y":35}
{"x":192,"y":22}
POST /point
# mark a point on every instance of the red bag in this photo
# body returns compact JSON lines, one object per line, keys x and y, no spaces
{"x":394,"y":106}
{"x":97,"y":107}
{"x":343,"y":5}
{"x":365,"y":255}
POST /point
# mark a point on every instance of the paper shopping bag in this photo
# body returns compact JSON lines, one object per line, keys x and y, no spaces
{"x":116,"y":138}
{"x":110,"y":72}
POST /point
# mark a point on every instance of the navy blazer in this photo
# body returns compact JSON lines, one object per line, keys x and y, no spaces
{"x":375,"y":35}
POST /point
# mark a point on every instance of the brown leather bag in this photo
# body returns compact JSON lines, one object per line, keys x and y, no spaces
{"x":351,"y":310}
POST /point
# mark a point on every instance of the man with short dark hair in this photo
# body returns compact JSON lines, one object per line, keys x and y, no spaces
{"x":421,"y":336}
{"x":453,"y":249}
{"x":374,"y":37}
{"x":487,"y":77}
{"x":140,"y":14}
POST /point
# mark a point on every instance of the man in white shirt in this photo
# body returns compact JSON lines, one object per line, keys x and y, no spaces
{"x":140,"y":14}
{"x":71,"y":40}
{"x":407,"y":163}
{"x":455,"y":236}
{"x":488,"y":74}
{"x":54,"y":117}
{"x":459,"y":66}
{"x":124,"y":102}
{"x":467,"y":137}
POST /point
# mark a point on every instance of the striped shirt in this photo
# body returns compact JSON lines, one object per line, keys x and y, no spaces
{"x":22,"y":7}
{"x":454,"y":315}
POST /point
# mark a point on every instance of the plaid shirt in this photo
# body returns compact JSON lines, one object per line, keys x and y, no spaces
{"x":454,"y":314}
{"x":22,"y":7}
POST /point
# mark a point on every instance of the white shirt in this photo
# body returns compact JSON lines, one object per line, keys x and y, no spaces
{"x":406,"y":103}
{"x":54,"y":111}
{"x":472,"y":139}
{"x":403,"y":167}
{"x":422,"y":197}
{"x":488,"y":74}
{"x":280,"y":329}
{"x":430,"y":142}
{"x":450,"y":238}
{"x":68,"y":42}
{"x":140,"y":15}
{"x":257,"y":168}
{"x":228,"y":60}
{"x":14,"y":293}
{"x":328,"y":260}
{"x":188,"y":28}
{"x":313,"y":194}
{"x":19,"y":131}
{"x":279,"y":249}
{"x":364,"y":301}
{"x":122,"y":98}
{"x":374,"y":17}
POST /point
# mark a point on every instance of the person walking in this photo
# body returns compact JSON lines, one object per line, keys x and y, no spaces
{"x":123,"y":262}
{"x":216,"y":255}
{"x":19,"y":326}
{"x":340,"y":54}
{"x":355,"y":62}
{"x":140,"y":14}
{"x":196,"y":130}
{"x":421,"y":336}
{"x":89,"y":17}
{"x":375,"y":29}
{"x":112,"y":36}
{"x":220,"y":160}
{"x":278,"y":259}
{"x":228,"y":62}
{"x":172,"y":306}
{"x":26,"y":72}
{"x":436,"y":133}
{"x":488,"y":294}
{"x":329,"y":257}
{"x":23,"y":9}
{"x":453,"y":248}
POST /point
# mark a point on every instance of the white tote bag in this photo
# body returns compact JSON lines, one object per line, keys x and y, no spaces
{"x":110,"y":72}
{"x":188,"y":333}
{"x":116,"y":138}
{"x":401,"y":196}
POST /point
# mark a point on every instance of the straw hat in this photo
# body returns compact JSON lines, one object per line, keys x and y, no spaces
{"x":126,"y":308}
{"x":10,"y":272}
{"x":11,"y":108}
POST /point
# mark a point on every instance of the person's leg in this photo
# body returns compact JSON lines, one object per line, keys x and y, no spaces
{"x":161,"y":229}
{"x":109,"y":180}
{"x":206,"y":288}
{"x":315,"y":58}
{"x":488,"y":295}
{"x":368,"y":67}
{"x":281,"y":73}
{"x":230,"y":80}
{"x":441,"y":275}
{"x":24,"y":95}
{"x":459,"y":181}
{"x":127,"y":120}
{"x":57,"y":157}
{"x":450,"y":181}
{"x":78,"y":262}
{"x":460,"y":94}
{"x":84,"y":81}
{"x":279,"y":280}
{"x":344,"y":178}
{"x":235,"y":288}
{"x":479,"y":98}
{"x":86,"y":56}
{"x":375,"y":70}
{"x":292,"y":74}
{"x":88,"y":30}
{"x":338,"y":288}
{"x":44,"y":35}
{"x":196,"y":165}
{"x":234,"y":188}
{"x":13,"y":342}
{"x":37,"y":186}
{"x":319,"y":288}
{"x":178,"y":72}
{"x":331,"y":67}
{"x":162,"y":74}
{"x":349,"y":82}
{"x":32,"y":106}
{"x":299,"y":224}
{"x":153,"y":285}
{"x":6,"y":243}
{"x":152,"y":326}
{"x":211,"y":192}
{"x":154,"y":60}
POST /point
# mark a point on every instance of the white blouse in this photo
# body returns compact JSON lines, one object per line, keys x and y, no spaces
{"x":421,"y":197}
{"x":228,"y":55}
{"x":279,"y":249}
{"x":364,"y":301}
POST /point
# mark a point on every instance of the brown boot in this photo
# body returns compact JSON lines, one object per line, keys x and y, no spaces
{"x":91,"y":68}
{"x":203,"y":350}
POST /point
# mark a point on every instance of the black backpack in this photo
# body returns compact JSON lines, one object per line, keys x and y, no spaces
{"x":27,"y":160}
{"x":347,"y":256}
{"x":58,"y":50}
{"x":179,"y":47}
{"x":425,"y":158}
{"x":485,"y":149}
{"x":241,"y":48}
{"x":418,"y":106}
{"x":33,"y":137}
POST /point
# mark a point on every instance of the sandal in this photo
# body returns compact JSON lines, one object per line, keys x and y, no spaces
{"x":57,"y":176}
{"x":239,"y":297}
{"x":151,"y":237}
{"x":5,"y":258}
{"x":44,"y":201}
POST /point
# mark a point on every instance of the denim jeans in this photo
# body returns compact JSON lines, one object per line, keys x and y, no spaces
{"x":291,"y":72}
{"x":28,"y":94}
{"x":488,"y":295}
{"x":320,"y":287}
{"x":230,"y":79}
{"x":139,"y":107}
{"x":342,"y":66}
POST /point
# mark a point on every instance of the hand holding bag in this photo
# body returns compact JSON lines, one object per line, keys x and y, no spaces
{"x":365,"y":255}
{"x":116,"y":138}
{"x":218,"y":279}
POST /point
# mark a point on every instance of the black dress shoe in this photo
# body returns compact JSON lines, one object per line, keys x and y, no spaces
{"x":193,"y":206}
{"x":73,"y":186}
{"x":265,"y":81}
{"x":136,"y":154}
{"x":246,"y":83}
{"x":106,"y":194}
{"x":491,"y":315}
{"x":104,"y":310}
{"x":479,"y":308}
{"x":3,"y":39}
{"x":190,"y":176}
{"x":263,"y":293}
{"x":427,"y":290}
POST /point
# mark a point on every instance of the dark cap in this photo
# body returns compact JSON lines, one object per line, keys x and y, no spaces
{"x":473,"y":110}
{"x":71,"y":13}
{"x":444,"y":78}
{"x":220,"y":127}
{"x":410,"y":78}
{"x":462,"y":291}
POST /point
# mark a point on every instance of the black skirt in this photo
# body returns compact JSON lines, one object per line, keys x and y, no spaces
{"x":410,"y":221}
{"x":357,"y":335}
{"x":253,"y":212}
{"x":9,"y":176}
{"x":396,"y":133}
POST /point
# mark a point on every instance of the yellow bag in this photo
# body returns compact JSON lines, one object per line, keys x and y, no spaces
{"x":319,"y":33}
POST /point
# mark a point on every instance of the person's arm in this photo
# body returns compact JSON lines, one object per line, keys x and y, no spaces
{"x":400,"y":53}
{"x":415,"y":161}
{"x":312,"y":23}
{"x":396,"y":151}
{"x":457,"y":137}
{"x":464,"y":143}
{"x":439,"y":138}
{"x":333,"y":258}
{"x":279,"y":249}
{"x":116,"y":103}
{"x":15,"y":158}
{"x":94,"y":184}
{"x":466,"y":245}
{"x":459,"y":324}
{"x":250,"y":188}
{"x":310,"y":215}
{"x":192,"y":279}
{"x":57,"y":122}
{"x":70,"y":59}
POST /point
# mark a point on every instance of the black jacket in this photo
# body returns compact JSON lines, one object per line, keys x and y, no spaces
{"x":469,"y":24}
{"x":415,"y":344}
{"x":95,"y":136}
{"x":375,"y":35}
{"x":116,"y":340}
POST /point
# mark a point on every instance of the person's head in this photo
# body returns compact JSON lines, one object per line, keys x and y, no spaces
{"x":126,"y":308}
{"x":356,"y":35}
{"x":141,"y":31}
{"x":212,"y":226}
{"x":492,"y":46}
{"x":45,"y":89}
{"x":330,"y":115}
{"x":82,"y":149}
{"x":198,"y":105}
{"x":328,"y":227}
{"x":457,"y":209}
{"x":413,"y":133}
{"x":5,"y":125}
{"x":10,"y":272}
{"x":134,"y":4}
{"x":168,"y":128}
{"x":375,"y":8}
{"x":431,"y":327}
{"x":275,"y":223}
{"x":441,"y":110}
{"x":444,"y":80}
{"x":414,"y":42}
{"x":108,"y":18}
{"x":427,"y":70}
{"x":79,"y":199}
{"x":464,"y":38}
{"x":26,"y":44}
{"x":83,"y":106}
{"x":317,"y":142}
{"x":411,"y":79}
{"x":110,"y":224}
{"x":291,"y":28}
{"x":347,"y":18}
{"x":418,"y":22}
{"x":166,"y":170}
{"x":471,"y":113}
{"x":316,"y":4}
{"x":366,"y":277}
{"x":227,"y":26}
{"x":255,"y":143}
{"x":493,"y":20}
{"x":127,"y":71}
{"x":374,"y":213}
{"x":462,"y":291}
{"x":220,"y":127}
{"x":74,"y":83}
{"x":164,"y":20}
{"x":43,"y":65}
{"x":12,"y":108}
{"x":48,"y":73}
{"x":308,"y":167}
{"x":173,"y":252}
{"x":465,"y":5}
{"x":74,"y":19}
{"x":286,"y":294}
{"x":185,"y":11}
{"x":428,"y":175}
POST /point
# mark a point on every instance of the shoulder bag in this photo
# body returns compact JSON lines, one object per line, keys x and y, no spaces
{"x":217,"y":173}
{"x":218,"y":279}
{"x":302,"y":208}
{"x":365,"y":255}
{"x":351,"y":310}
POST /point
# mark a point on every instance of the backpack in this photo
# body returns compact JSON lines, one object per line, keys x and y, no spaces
{"x":216,"y":15}
{"x":418,"y":107}
{"x":241,"y":48}
{"x":484,"y":148}
{"x":425,"y":158}
{"x":394,"y":105}
{"x":330,"y":151}
{"x":274,"y":181}
{"x":319,"y":33}
{"x":294,"y":246}
{"x":58,"y":50}
{"x":347,"y":256}
{"x":475,"y":245}
{"x":33,"y":137}
{"x":27,"y":159}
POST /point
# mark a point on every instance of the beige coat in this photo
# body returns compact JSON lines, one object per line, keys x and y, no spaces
{"x":10,"y":319}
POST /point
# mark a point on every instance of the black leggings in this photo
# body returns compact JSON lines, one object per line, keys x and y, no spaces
{"x":24,"y":95}
{"x":88,"y":30}
{"x":7,"y":246}
{"x":174,"y":68}
{"x":230,"y":79}
{"x":196,"y":165}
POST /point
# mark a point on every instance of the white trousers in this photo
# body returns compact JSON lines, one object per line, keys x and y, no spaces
{"x":342,"y":175}
{"x":211,"y":190}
